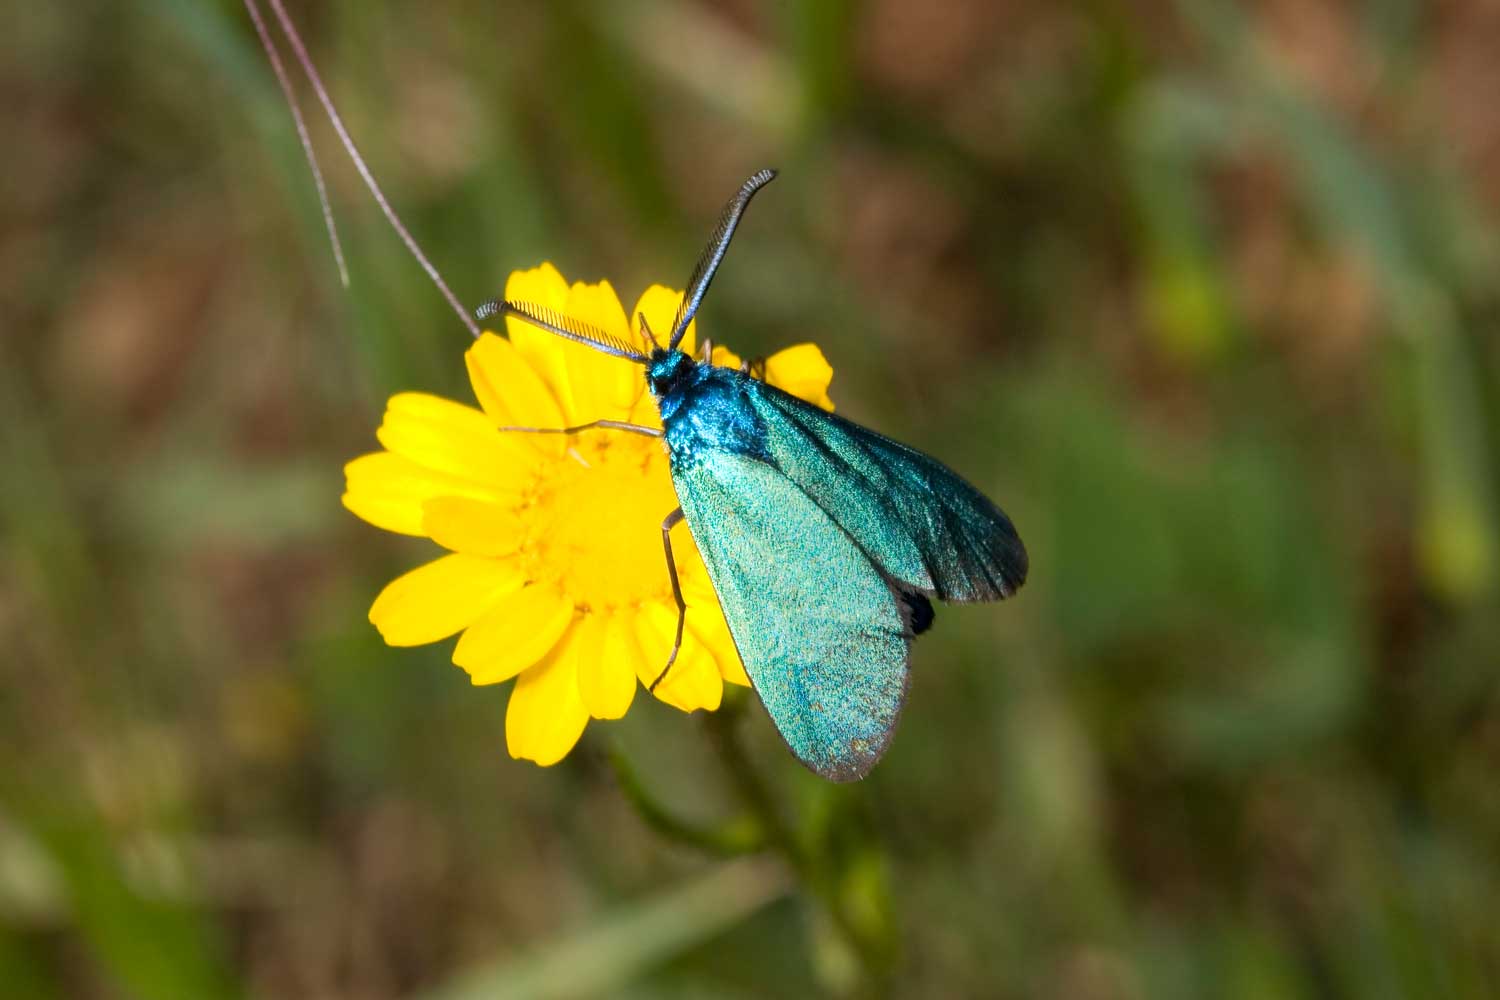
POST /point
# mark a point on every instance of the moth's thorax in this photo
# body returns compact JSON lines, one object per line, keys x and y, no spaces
{"x":703,"y":407}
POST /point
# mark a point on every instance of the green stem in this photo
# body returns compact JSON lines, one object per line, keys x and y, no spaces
{"x":811,"y":867}
{"x":745,"y":835}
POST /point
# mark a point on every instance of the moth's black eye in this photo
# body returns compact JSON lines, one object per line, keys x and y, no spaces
{"x":666,"y":371}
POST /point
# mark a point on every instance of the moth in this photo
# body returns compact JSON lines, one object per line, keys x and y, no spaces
{"x":825,"y":541}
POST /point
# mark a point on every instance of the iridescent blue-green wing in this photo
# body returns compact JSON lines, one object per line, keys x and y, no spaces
{"x":924,"y":526}
{"x":821,"y":633}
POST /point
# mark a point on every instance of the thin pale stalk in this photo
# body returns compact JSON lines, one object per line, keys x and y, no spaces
{"x":305,"y":60}
{"x":290,"y":93}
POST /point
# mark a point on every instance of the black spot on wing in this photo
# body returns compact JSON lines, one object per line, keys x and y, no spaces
{"x":917,"y":610}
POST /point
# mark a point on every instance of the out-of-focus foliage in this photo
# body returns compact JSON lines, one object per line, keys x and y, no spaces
{"x":1204,"y":293}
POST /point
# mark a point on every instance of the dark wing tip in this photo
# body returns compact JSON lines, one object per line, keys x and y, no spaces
{"x":1014,"y":562}
{"x":845,"y":772}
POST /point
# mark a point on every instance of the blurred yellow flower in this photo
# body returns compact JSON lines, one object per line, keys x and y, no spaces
{"x":555,"y":573}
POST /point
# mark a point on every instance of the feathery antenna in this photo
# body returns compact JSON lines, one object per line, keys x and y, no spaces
{"x":567,"y":327}
{"x":718,"y":246}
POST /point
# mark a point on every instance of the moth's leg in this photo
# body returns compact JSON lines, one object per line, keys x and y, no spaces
{"x":706,"y":351}
{"x":646,"y":329}
{"x":671,"y":521}
{"x":755,"y":368}
{"x":604,"y":425}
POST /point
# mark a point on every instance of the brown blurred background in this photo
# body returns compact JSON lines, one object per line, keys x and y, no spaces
{"x":1204,"y":293}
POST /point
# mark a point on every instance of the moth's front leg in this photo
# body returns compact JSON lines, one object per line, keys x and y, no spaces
{"x":668,"y":523}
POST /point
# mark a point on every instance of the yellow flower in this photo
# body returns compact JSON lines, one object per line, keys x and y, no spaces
{"x":555,"y":573}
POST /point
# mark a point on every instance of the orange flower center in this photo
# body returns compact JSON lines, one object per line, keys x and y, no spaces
{"x":596,"y":521}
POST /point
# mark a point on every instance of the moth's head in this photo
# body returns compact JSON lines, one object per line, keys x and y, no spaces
{"x":665,"y":370}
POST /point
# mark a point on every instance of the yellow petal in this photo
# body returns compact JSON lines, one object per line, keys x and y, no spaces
{"x":458,"y":440}
{"x":512,"y":393}
{"x":697,"y":588}
{"x":660,"y":303}
{"x":606,"y":665}
{"x":389,"y":491}
{"x":440,"y":598}
{"x":604,"y":387}
{"x":514,"y":634}
{"x":478,"y":527}
{"x":598,"y":305}
{"x":643,"y":410}
{"x":706,"y":620}
{"x":694,"y":681}
{"x":803,"y":371}
{"x":546,"y":715}
{"x":542,"y":286}
{"x":697,"y":572}
{"x":624,"y":637}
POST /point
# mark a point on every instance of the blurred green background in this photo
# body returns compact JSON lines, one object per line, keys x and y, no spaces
{"x":1204,"y":293}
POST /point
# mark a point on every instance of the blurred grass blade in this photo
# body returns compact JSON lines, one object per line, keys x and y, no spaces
{"x":821,"y":39}
{"x":1173,"y":132}
{"x":153,"y":947}
{"x":608,"y":110}
{"x":631,"y":940}
{"x":1456,"y":538}
{"x":715,"y":62}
